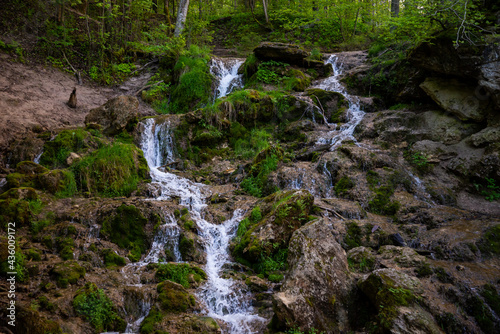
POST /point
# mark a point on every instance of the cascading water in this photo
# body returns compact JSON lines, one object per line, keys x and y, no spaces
{"x":226,"y":74}
{"x":354,"y":113}
{"x":224,"y":299}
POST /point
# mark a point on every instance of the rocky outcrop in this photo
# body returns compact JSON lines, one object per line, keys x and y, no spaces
{"x":115,"y":115}
{"x":456,"y":97}
{"x":315,"y":289}
{"x":287,"y":53}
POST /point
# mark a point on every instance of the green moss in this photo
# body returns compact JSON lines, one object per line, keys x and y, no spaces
{"x":148,"y":325}
{"x":67,"y":272}
{"x":382,"y":204}
{"x":275,"y":278}
{"x":174,"y":298}
{"x":60,"y":182}
{"x":296,"y":80}
{"x":186,"y":247}
{"x":343,"y":186}
{"x":194,"y":84}
{"x":113,"y":170}
{"x":33,"y":255}
{"x":56,"y":151}
{"x":180,"y":273}
{"x":477,"y":309}
{"x":95,"y":307}
{"x":490,"y":241}
{"x":19,"y":261}
{"x":111,"y":259}
{"x":491,"y":296}
{"x":424,"y":270}
{"x":126,"y":229}
{"x":353,"y":237}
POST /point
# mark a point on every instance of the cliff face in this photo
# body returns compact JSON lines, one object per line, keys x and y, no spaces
{"x":339,"y":214}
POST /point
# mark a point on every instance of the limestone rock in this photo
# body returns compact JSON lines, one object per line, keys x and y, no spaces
{"x":315,"y":290}
{"x":445,"y":128}
{"x":456,"y":97}
{"x":115,"y":114}
{"x":489,"y":78}
{"x":256,"y":284}
{"x":287,"y":53}
{"x":72,"y":157}
{"x":486,"y":136}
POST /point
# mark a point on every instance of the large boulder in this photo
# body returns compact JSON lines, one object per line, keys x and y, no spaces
{"x":314,"y":292}
{"x":456,"y":97}
{"x":394,"y":295}
{"x":287,"y":53}
{"x":114,"y":115}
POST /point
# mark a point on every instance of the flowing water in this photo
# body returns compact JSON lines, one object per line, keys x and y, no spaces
{"x":354,"y":113}
{"x":226,"y":75}
{"x":224,"y":298}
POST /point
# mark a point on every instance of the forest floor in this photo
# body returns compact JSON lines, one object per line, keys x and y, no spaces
{"x":35,"y":97}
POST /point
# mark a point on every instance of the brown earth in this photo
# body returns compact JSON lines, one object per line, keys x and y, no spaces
{"x":35,"y":96}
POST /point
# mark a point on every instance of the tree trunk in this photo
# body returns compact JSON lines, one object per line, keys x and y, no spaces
{"x":394,"y":8}
{"x":167,"y":14}
{"x":264,"y":4}
{"x":181,"y":17}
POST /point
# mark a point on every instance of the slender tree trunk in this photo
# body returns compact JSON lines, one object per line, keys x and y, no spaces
{"x":264,"y":4}
{"x":167,"y":14}
{"x":181,"y":17}
{"x":394,"y":8}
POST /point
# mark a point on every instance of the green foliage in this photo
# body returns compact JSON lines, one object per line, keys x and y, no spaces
{"x":180,"y":273}
{"x":94,"y":306}
{"x":18,"y":262}
{"x":148,"y":325}
{"x":419,"y":161}
{"x":266,"y":162}
{"x":254,"y":142}
{"x":489,"y":189}
{"x":113,"y":170}
{"x":271,"y":72}
{"x":382,"y":204}
{"x":195,"y":80}
{"x":275,"y":262}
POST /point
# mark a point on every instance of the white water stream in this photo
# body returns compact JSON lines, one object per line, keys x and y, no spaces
{"x":354,"y":112}
{"x":226,"y":75}
{"x":224,"y":299}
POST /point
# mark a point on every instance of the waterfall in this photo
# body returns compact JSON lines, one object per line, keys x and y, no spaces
{"x":38,"y":156}
{"x":226,"y":75}
{"x":354,"y":114}
{"x":224,"y":299}
{"x":167,"y":238}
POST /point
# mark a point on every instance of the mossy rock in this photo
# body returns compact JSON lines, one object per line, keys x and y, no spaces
{"x":111,"y":259}
{"x":33,"y":322}
{"x":297,"y":81}
{"x":15,"y":206}
{"x":334,"y":104}
{"x":200,"y":324}
{"x":67,"y":272}
{"x":361,"y":259}
{"x":58,"y":181}
{"x":126,"y":229}
{"x":187,"y":275}
{"x":283,"y":213}
{"x":113,"y":170}
{"x":489,"y":243}
{"x":388,"y":289}
{"x":55,"y":152}
{"x":173,"y":297}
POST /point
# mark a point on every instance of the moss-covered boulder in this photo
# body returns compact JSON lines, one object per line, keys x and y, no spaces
{"x":126,"y":228}
{"x":394,"y":295}
{"x":268,"y":238}
{"x":15,"y":206}
{"x":115,"y":115}
{"x":32,"y":321}
{"x":67,"y":272}
{"x":113,"y":170}
{"x":56,"y":151}
{"x":59,"y":181}
{"x":334,"y":104}
{"x":173,"y":297}
{"x":297,"y":81}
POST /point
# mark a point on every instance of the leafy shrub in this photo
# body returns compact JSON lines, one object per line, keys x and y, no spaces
{"x":94,"y":306}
